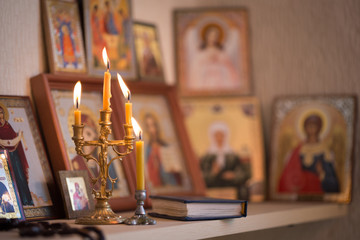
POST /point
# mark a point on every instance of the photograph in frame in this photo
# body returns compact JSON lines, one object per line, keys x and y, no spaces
{"x":19,"y":134}
{"x":77,"y":193}
{"x":109,"y":24}
{"x":53,"y":96}
{"x":148,"y":52}
{"x":10,"y":206}
{"x":212,"y":51}
{"x":64,"y":37}
{"x":312,"y":148}
{"x":227,"y":137}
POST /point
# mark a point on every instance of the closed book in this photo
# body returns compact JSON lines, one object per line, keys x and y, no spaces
{"x":192,"y":208}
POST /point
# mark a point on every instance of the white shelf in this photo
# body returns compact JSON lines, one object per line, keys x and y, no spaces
{"x":260,"y":216}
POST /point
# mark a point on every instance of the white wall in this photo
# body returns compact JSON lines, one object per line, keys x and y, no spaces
{"x":22,"y":47}
{"x":297,"y":47}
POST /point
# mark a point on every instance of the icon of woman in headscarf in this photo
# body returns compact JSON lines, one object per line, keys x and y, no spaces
{"x":221,"y":166}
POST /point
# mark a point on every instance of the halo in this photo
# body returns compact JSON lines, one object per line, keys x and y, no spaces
{"x":208,"y":26}
{"x":314,"y":111}
{"x":6,"y":112}
{"x":154,"y":114}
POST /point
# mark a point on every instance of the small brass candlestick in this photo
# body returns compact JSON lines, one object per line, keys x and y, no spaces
{"x":140,"y":217}
{"x":103,"y":213}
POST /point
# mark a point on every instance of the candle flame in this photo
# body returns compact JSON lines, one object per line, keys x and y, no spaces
{"x":124,"y":88}
{"x":77,"y":94}
{"x":136,"y":127}
{"x":105,"y":58}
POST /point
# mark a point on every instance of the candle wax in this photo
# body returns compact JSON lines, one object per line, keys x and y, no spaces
{"x":107,"y":91}
{"x":140,"y":169}
{"x":128,"y":112}
{"x":77,"y":117}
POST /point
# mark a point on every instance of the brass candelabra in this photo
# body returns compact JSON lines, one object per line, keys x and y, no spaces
{"x":103,"y":213}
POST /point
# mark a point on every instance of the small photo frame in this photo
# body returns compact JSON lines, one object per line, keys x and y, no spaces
{"x":20,"y":135}
{"x":312,"y":148}
{"x":227,"y":137}
{"x":10,"y":202}
{"x":109,"y":24}
{"x":170,"y":165}
{"x":77,"y":193}
{"x":64,"y":37}
{"x":148,"y":52}
{"x":212,"y":51}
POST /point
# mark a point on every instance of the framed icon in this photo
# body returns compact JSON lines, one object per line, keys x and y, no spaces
{"x":10,"y":205}
{"x":53,"y":96}
{"x":312,"y":148}
{"x":170,"y":163}
{"x":109,"y":24}
{"x":227,"y":137}
{"x":64,"y":37}
{"x":20,"y":136}
{"x":212,"y":51}
{"x":77,"y":193}
{"x":148,"y":52}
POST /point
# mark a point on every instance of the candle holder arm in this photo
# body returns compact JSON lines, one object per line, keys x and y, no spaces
{"x":122,"y":154}
{"x":117,"y":143}
{"x":80,"y":144}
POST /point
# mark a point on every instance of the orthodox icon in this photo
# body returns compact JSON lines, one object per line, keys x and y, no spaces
{"x":64,"y":37}
{"x":76,"y":192}
{"x":226,"y":135}
{"x":20,"y":136}
{"x":91,"y":102}
{"x":79,"y":195}
{"x":10,"y":202}
{"x":148,"y":54}
{"x":165,"y":165}
{"x":312,"y":148}
{"x":108,"y":24}
{"x":212,"y":52}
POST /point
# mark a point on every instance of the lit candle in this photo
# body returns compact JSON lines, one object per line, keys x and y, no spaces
{"x":140,"y":168}
{"x":77,"y":96}
{"x":127,"y":95}
{"x":107,"y":82}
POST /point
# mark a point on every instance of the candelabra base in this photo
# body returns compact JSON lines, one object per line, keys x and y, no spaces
{"x":103,"y":215}
{"x":140,"y":220}
{"x":140,"y":217}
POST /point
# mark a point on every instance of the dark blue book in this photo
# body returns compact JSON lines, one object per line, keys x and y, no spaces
{"x":192,"y":208}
